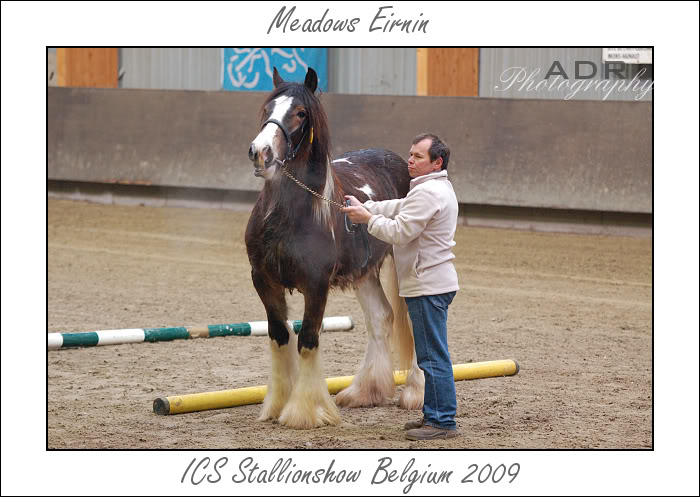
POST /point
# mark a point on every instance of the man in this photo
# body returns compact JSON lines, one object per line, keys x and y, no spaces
{"x":422,"y":227}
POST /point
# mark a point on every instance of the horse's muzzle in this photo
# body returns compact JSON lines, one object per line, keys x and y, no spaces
{"x":261,"y":158}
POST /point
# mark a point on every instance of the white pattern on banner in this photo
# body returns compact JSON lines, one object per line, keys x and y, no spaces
{"x":251,"y":68}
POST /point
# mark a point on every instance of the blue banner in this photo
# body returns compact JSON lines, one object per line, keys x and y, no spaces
{"x":251,"y":68}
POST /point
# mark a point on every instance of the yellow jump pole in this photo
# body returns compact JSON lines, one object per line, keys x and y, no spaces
{"x":179,"y":404}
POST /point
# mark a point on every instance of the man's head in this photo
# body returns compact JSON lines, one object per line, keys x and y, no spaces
{"x":428,"y":155}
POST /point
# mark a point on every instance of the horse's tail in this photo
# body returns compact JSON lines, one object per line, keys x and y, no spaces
{"x":403,"y":330}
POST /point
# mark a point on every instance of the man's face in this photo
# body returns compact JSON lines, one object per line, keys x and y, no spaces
{"x":419,"y":160}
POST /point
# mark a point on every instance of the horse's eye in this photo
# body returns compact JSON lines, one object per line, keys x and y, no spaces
{"x":301,"y":115}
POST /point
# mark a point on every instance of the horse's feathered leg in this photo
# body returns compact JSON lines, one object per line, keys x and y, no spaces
{"x":412,"y":394}
{"x":310,"y":405}
{"x":374,"y":382}
{"x":283,"y":344}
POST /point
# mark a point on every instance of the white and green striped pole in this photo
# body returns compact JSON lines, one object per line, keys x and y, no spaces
{"x":136,"y":335}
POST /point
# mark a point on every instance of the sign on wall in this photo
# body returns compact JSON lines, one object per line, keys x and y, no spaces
{"x":628,"y":55}
{"x":251,"y":68}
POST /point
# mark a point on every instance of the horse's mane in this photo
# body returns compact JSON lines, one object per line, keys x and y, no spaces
{"x":311,"y":166}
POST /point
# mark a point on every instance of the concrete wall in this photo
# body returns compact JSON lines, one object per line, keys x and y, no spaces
{"x":584,"y":155}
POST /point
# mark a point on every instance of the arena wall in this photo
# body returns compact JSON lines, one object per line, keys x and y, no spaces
{"x":551,"y":154}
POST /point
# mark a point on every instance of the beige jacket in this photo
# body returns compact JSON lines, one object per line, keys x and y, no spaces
{"x":421,"y":227}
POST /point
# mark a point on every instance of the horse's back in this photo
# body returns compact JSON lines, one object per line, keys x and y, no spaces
{"x":380,"y":171}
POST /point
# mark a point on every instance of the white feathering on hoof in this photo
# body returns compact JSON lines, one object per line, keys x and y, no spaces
{"x":412,"y":394}
{"x":374,"y":382}
{"x":285,"y":366}
{"x":310,"y":405}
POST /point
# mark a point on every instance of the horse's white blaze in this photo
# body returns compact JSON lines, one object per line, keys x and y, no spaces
{"x":342,"y":160}
{"x":310,"y":405}
{"x":283,"y":375}
{"x":374,"y":381}
{"x":368,"y":191}
{"x":269,"y":135}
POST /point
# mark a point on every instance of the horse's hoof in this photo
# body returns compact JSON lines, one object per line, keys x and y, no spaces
{"x":298,"y":420}
{"x":411,"y":400}
{"x":344,"y":398}
{"x":270,"y":412}
{"x":352,"y":397}
{"x":265,"y":417}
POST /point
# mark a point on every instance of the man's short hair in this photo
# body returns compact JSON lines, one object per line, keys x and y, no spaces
{"x":437,"y":149}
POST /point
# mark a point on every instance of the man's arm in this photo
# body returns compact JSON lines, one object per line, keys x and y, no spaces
{"x":415,"y":212}
{"x":361,"y":213}
{"x":386,"y":208}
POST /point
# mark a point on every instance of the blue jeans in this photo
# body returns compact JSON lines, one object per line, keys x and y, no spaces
{"x":429,"y":317}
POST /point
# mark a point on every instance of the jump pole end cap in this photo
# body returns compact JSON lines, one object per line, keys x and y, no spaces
{"x":161,"y":406}
{"x":517,"y":366}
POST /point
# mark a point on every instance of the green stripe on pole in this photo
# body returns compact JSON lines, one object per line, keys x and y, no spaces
{"x":88,"y":339}
{"x":164,"y":334}
{"x":135,"y":335}
{"x":225,"y":330}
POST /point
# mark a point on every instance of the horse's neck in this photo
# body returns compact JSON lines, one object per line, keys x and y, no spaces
{"x":296,"y":203}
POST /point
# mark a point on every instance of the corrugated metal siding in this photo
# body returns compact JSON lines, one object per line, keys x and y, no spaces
{"x":494,"y":61}
{"x":51,"y":75}
{"x":372,"y":71}
{"x":171,"y":68}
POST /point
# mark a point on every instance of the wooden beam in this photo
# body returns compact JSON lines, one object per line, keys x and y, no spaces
{"x":61,"y":66}
{"x":88,"y":67}
{"x":448,"y":72}
{"x":422,"y":71}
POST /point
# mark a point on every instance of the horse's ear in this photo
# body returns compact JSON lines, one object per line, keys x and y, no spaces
{"x":311,"y":81}
{"x":276,"y":78}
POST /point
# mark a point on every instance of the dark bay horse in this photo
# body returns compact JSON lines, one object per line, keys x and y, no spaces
{"x":298,"y":240}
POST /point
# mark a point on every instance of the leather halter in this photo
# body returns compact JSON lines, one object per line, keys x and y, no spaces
{"x":288,"y":138}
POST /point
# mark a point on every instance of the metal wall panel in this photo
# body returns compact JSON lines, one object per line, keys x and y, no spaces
{"x":494,"y":61}
{"x":372,"y":71}
{"x":51,"y":72}
{"x":369,"y":71}
{"x":171,"y":68}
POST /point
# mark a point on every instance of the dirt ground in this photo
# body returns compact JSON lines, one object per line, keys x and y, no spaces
{"x":573,"y":310}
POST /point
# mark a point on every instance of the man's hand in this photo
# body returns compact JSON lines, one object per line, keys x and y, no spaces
{"x":356,"y":212}
{"x":353,"y":201}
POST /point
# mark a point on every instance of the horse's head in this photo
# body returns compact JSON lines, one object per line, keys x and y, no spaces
{"x":291,"y":115}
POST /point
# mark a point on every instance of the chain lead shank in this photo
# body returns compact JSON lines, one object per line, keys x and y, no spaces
{"x":333,"y":202}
